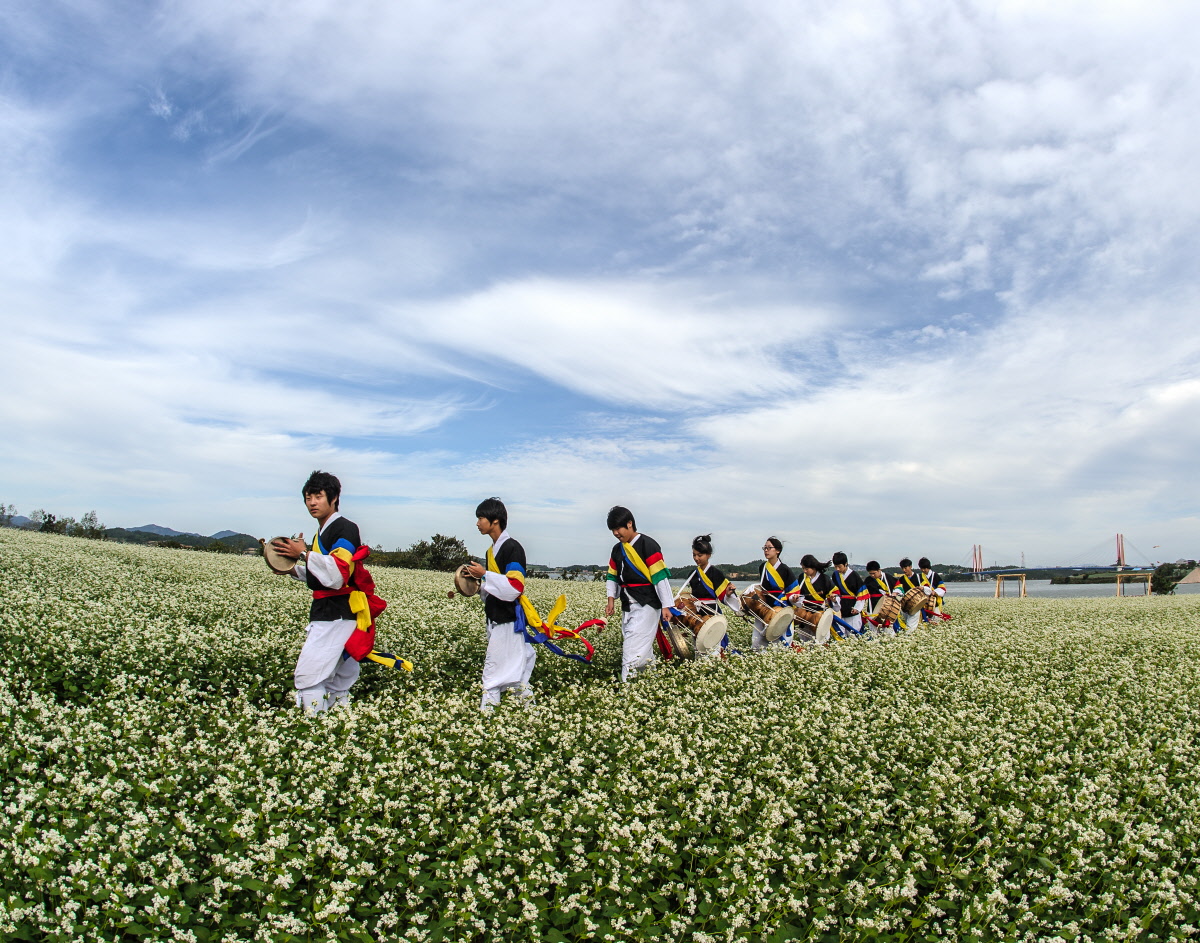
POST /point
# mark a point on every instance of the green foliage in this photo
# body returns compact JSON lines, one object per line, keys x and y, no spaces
{"x":1025,"y":772}
{"x":440,"y":552}
{"x":55,"y":525}
{"x":1164,"y":580}
{"x":89,"y":527}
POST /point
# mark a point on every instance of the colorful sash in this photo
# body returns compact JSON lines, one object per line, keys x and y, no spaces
{"x":539,"y":631}
{"x":769,"y":572}
{"x":654,"y":572}
{"x":717,"y":592}
{"x":845,"y":589}
{"x":635,"y":561}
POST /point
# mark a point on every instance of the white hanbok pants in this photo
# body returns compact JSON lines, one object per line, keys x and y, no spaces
{"x":323,"y":677}
{"x":884,"y":631}
{"x":507,"y":665}
{"x":910,"y":621}
{"x":638,"y":627}
{"x":854,"y":621}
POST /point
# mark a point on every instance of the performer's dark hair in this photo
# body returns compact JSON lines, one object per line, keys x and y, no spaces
{"x":776,"y":543}
{"x":320,"y":481}
{"x":808,"y":560}
{"x":873,"y":565}
{"x":494,"y":510}
{"x":840,"y":557}
{"x":924,"y":563}
{"x":619,"y":517}
{"x":905,"y":562}
{"x":703,"y":543}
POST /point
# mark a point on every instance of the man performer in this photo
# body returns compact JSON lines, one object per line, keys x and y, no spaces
{"x":510,"y":655}
{"x":934,"y":587}
{"x":637,"y":573}
{"x":850,"y":590}
{"x":341,"y":628}
{"x":877,"y":586}
{"x":905,"y":580}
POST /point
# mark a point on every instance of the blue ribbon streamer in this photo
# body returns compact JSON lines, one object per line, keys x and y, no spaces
{"x":521,"y":627}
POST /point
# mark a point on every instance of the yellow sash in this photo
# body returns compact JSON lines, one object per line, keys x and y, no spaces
{"x":812,"y":589}
{"x":531,"y":613}
{"x":638,"y":563}
{"x":774,"y":573}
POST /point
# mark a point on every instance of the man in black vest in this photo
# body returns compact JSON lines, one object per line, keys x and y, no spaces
{"x":510,"y":656}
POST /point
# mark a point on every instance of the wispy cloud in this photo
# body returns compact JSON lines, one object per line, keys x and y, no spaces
{"x":232,"y":150}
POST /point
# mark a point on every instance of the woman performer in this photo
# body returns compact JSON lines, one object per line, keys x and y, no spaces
{"x":779,"y":583}
{"x":814,"y":587}
{"x":708,"y":584}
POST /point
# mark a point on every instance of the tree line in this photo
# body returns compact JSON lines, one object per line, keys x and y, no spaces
{"x":88,"y":526}
{"x":439,"y":552}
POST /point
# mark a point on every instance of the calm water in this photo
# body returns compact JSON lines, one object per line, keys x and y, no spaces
{"x":1042,"y":588}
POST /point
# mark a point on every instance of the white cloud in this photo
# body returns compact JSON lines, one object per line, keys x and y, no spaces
{"x":628,"y":344}
{"x":1030,"y":132}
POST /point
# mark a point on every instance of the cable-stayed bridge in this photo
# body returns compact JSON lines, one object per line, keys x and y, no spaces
{"x":1115,"y":551}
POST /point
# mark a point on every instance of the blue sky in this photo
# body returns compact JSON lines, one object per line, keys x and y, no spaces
{"x":886,"y":277}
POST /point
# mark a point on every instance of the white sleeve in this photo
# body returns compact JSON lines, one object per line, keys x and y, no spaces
{"x":665,"y":596}
{"x":325,"y":569}
{"x":733,"y":600}
{"x":613,"y":590}
{"x":300,"y":571}
{"x":497,"y":584}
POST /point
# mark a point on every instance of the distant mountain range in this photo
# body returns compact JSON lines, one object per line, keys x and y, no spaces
{"x":168,"y":532}
{"x":156,"y":533}
{"x":163,"y":531}
{"x":229,"y":540}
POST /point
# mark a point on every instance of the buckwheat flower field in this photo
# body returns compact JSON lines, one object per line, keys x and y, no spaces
{"x":1025,"y":772}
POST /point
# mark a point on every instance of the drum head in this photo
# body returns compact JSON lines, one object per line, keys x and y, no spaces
{"x":779,"y":623}
{"x":822,"y":632}
{"x":276,"y":560}
{"x":465,"y":583}
{"x":708,"y":639}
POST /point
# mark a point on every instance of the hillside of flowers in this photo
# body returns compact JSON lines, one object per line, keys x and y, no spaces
{"x":1027,"y":771}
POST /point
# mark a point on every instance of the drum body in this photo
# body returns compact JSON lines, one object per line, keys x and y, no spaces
{"x":707,"y":629}
{"x":775,"y":619}
{"x":888,"y":608}
{"x":913,"y":601}
{"x":814,"y":624}
{"x":276,"y":560}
